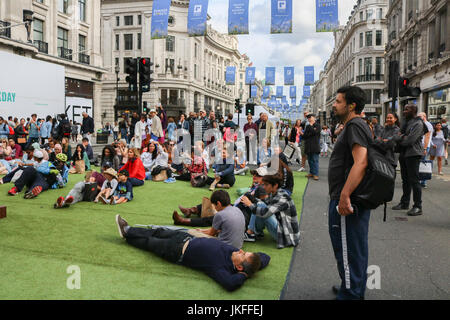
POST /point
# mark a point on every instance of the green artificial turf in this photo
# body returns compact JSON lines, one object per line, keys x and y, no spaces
{"x":38,"y":244}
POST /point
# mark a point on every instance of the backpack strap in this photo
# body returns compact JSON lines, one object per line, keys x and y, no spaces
{"x":385,"y":212}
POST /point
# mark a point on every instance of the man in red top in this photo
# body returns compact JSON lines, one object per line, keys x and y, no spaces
{"x":250,"y":138}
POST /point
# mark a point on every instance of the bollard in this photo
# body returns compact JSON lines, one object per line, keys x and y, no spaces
{"x":2,"y":212}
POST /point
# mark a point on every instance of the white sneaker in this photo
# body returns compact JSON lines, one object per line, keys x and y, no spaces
{"x":301,"y":169}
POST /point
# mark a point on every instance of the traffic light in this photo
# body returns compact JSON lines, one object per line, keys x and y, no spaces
{"x":131,"y":70}
{"x":237,"y":105}
{"x":145,"y":71}
{"x":404,"y":90}
{"x":250,"y":108}
{"x":144,"y":108}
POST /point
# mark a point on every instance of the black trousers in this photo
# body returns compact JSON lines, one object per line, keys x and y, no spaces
{"x":229,"y":179}
{"x":409,"y":168}
{"x":31,"y":178}
{"x":168,"y":244}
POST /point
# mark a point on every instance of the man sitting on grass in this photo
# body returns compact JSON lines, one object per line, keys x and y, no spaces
{"x":277,"y":213}
{"x":227,"y":265}
{"x":228,"y":224}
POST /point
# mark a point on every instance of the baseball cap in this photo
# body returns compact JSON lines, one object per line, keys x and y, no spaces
{"x":262,"y":171}
{"x":38,"y":154}
{"x":123,"y":173}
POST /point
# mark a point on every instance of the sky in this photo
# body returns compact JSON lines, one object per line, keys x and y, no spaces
{"x":302,"y":47}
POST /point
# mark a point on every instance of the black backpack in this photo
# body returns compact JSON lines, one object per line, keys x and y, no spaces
{"x":377,"y":186}
{"x":90,"y":191}
{"x":66,"y":128}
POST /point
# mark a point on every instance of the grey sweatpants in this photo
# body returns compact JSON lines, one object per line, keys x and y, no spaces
{"x":77,"y":192}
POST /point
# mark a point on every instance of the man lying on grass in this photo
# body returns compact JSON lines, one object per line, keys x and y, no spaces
{"x":227,"y":265}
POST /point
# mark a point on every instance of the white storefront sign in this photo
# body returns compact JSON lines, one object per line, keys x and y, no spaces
{"x":75,"y":106}
{"x":30,"y":86}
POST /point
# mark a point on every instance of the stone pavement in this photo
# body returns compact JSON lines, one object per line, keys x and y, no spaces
{"x":412,"y":253}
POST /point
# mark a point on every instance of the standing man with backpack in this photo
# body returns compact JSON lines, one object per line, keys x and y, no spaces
{"x":87,"y":128}
{"x":64,"y":128}
{"x":348,"y":223}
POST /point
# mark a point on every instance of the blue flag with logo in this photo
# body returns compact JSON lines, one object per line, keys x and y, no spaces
{"x":160,"y":18}
{"x":309,"y":76}
{"x":266,"y":92}
{"x":288,"y":76}
{"x":280,"y":91}
{"x":238,"y":17}
{"x":250,"y":75}
{"x":327,"y":15}
{"x":197,"y":14}
{"x":230,"y":75}
{"x":293,"y":102}
{"x":293,"y":92}
{"x":306,"y":91}
{"x":281,"y":16}
{"x":270,"y":76}
{"x":254,"y":92}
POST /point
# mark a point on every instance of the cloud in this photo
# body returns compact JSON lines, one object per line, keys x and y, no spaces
{"x":301,"y":48}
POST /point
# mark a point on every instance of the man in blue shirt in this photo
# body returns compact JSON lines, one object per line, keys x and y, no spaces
{"x":224,"y":171}
{"x":227,"y":265}
{"x":33,"y":129}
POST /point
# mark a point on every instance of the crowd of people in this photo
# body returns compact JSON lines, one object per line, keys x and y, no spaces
{"x":209,"y":153}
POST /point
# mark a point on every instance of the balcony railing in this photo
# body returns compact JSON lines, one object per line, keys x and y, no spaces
{"x":370,"y":77}
{"x":41,"y":46}
{"x":65,"y":53}
{"x":84,"y":58}
{"x":5,"y":32}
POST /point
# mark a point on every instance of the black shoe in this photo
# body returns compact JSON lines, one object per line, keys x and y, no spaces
{"x":335,"y":289}
{"x":400,"y":207}
{"x":414,"y":212}
{"x":121,"y":224}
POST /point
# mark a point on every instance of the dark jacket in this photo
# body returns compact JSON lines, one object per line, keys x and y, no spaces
{"x":312,"y":138}
{"x":411,"y":139}
{"x":390,"y":133}
{"x":87,"y":126}
{"x":293,"y":134}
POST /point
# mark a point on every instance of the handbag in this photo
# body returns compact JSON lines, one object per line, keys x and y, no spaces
{"x":207,"y":208}
{"x":21,"y":140}
{"x":425,"y":170}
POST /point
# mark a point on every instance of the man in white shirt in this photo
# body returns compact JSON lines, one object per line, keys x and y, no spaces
{"x":156,"y":129}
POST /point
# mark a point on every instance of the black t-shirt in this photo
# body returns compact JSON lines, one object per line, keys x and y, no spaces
{"x":341,"y":159}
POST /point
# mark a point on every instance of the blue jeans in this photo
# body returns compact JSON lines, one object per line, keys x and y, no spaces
{"x":349,"y":238}
{"x":313,"y":161}
{"x":257,"y":225}
{"x":136,"y":182}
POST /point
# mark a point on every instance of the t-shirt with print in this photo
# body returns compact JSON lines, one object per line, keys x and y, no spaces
{"x":124,"y":190}
{"x":341,"y":159}
{"x":231,"y":223}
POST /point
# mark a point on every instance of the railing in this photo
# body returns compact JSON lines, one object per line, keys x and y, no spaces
{"x":84,"y":58}
{"x":41,"y":46}
{"x":65,"y":53}
{"x":5,"y":32}
{"x":370,"y":77}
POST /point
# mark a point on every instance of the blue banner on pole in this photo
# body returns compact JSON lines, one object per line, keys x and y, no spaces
{"x":197,"y":14}
{"x":288,"y":76}
{"x":327,"y":15}
{"x":293,"y":102}
{"x":309,"y":76}
{"x":270,"y":76}
{"x":306,"y":91}
{"x":280,"y":91}
{"x":230,"y":75}
{"x":266,"y":92}
{"x":293,"y":92}
{"x":250,"y":75}
{"x":281,"y":16}
{"x":238,"y":17}
{"x":254,"y":92}
{"x":160,"y":19}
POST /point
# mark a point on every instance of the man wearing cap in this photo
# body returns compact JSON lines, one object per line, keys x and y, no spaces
{"x":156,"y":129}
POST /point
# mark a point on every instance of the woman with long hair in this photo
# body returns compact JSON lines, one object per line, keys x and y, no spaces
{"x":148,"y":158}
{"x":135,"y":168}
{"x":294,"y":140}
{"x":66,"y":148}
{"x":80,"y":154}
{"x":438,"y":146}
{"x":109,"y":158}
{"x":286,"y":176}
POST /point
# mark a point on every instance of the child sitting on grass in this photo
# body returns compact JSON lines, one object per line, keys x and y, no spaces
{"x":124,"y":190}
{"x":109,"y":186}
{"x":82,"y":191}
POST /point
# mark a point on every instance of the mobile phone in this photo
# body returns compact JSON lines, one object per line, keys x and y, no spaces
{"x":355,"y":211}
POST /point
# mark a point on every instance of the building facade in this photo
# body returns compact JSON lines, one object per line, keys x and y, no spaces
{"x":357,"y":59}
{"x":189,"y":72}
{"x":66,"y":33}
{"x":419,"y":39}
